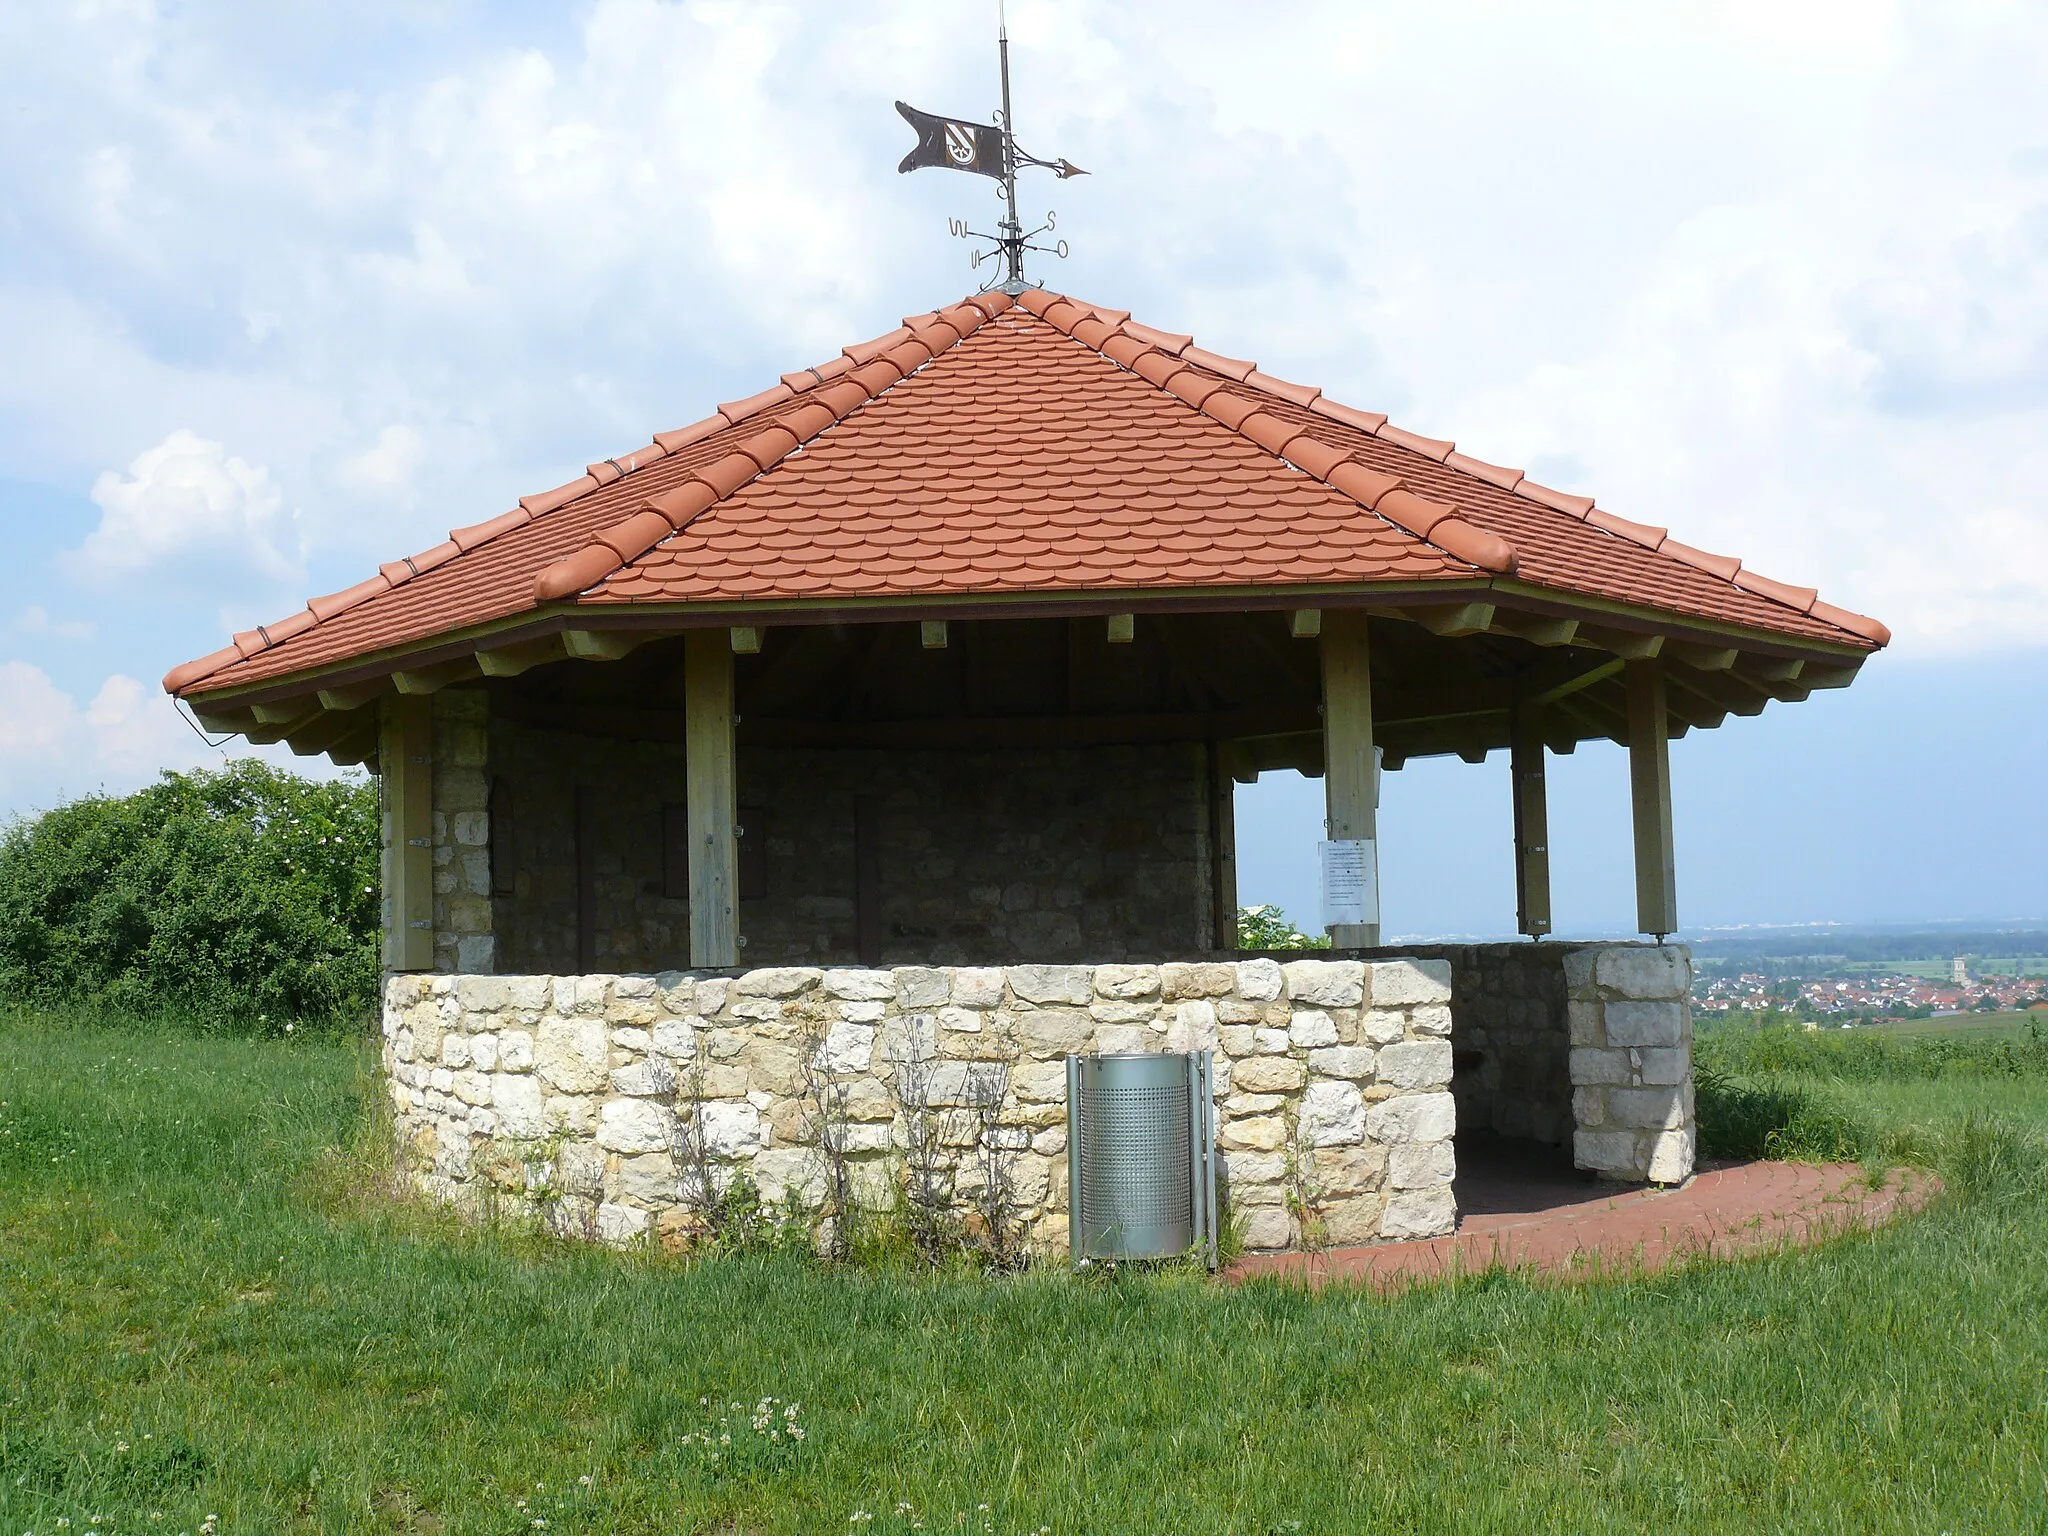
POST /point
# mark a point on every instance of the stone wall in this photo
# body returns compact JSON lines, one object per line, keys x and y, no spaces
{"x":1586,"y":1045}
{"x":1510,"y":1038}
{"x":1631,"y":1060}
{"x":1048,"y":855}
{"x":574,"y":1096}
{"x":463,"y":938}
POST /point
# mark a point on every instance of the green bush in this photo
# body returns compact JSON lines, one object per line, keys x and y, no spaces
{"x":1267,"y":927}
{"x":243,"y":899}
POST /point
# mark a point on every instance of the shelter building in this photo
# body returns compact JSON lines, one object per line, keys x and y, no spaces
{"x":908,"y":695}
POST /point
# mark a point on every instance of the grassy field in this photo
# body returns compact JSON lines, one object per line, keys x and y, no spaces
{"x":209,"y":1317}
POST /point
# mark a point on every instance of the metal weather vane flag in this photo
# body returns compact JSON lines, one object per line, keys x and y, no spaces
{"x":987,"y":149}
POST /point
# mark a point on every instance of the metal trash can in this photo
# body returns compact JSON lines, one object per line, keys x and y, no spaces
{"x":1141,"y":1165}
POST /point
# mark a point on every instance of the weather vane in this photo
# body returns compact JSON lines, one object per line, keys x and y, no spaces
{"x":950,"y":144}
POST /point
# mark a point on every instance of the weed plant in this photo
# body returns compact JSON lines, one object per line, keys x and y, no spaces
{"x":217,"y":1318}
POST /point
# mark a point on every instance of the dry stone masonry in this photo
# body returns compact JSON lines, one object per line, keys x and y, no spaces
{"x":1631,"y":1060}
{"x":582,"y":1097}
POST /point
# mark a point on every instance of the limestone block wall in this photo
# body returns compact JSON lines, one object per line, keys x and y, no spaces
{"x":1631,"y":1061}
{"x":1510,"y":1038}
{"x":463,"y":939}
{"x":583,"y":1097}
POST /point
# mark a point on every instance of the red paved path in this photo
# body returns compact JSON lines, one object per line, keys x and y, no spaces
{"x":1577,"y":1230}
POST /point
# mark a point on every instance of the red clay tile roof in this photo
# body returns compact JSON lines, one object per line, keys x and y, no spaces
{"x":1040,"y":446}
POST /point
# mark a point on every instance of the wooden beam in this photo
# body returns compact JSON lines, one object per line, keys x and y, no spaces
{"x":1727,"y":692}
{"x":746,"y":640}
{"x":1452,"y":619}
{"x":1649,"y":777}
{"x":1305,"y":623}
{"x":355,"y":695}
{"x":1351,"y":775}
{"x":521,"y":656}
{"x":1769,"y":669}
{"x":1629,"y":644}
{"x":1702,"y":658}
{"x":433,"y":679}
{"x":1830,"y":675}
{"x":316,"y":736}
{"x":405,"y":749}
{"x":606,"y":644}
{"x":1122,"y":628}
{"x":282,"y":712}
{"x":1532,"y":822}
{"x":712,"y":794}
{"x":224,"y":722}
{"x":360,"y":747}
{"x":1571,"y":685}
{"x":931,"y":633}
{"x":1536,"y":628}
{"x":264,"y":735}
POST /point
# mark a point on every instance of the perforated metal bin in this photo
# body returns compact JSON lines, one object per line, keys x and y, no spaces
{"x":1141,"y":1162}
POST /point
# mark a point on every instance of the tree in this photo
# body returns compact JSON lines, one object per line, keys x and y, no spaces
{"x":247,"y":896}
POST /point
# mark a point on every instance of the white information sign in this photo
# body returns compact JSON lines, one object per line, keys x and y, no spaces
{"x":1351,"y":881}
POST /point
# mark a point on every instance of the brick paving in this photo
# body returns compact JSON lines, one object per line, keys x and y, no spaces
{"x":1531,"y":1213}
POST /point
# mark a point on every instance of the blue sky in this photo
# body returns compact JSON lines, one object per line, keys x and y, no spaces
{"x":291,"y":290}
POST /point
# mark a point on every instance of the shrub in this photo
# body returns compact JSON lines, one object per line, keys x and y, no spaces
{"x":1267,"y":927}
{"x":245,"y":898}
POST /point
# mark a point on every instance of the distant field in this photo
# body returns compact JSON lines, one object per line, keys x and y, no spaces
{"x":1987,"y":1026}
{"x":207,"y":1312}
{"x":1941,"y":970}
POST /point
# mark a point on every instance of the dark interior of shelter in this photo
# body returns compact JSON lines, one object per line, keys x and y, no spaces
{"x":984,"y":790}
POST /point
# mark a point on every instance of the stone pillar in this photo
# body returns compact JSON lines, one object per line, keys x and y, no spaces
{"x":1631,"y":1061}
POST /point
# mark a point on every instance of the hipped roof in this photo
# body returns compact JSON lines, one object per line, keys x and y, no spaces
{"x":1002,"y":450}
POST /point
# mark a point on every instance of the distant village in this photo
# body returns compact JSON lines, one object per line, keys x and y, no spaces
{"x":1874,"y":997}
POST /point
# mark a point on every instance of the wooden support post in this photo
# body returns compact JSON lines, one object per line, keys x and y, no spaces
{"x":932,"y":634}
{"x":1350,"y":775}
{"x":1122,"y":628}
{"x":1649,"y":776}
{"x":1532,"y":822}
{"x":712,"y":794}
{"x":1222,"y":847}
{"x":405,"y":748}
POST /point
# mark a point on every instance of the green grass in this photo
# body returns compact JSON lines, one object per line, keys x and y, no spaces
{"x":207,"y":1311}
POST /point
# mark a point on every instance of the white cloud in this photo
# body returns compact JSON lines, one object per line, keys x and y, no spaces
{"x":119,"y":740}
{"x":35,"y":620}
{"x":1776,"y":276}
{"x":55,"y":748}
{"x":387,"y":467}
{"x":188,"y":511}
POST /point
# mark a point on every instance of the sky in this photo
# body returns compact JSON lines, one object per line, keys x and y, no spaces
{"x":290,"y":290}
